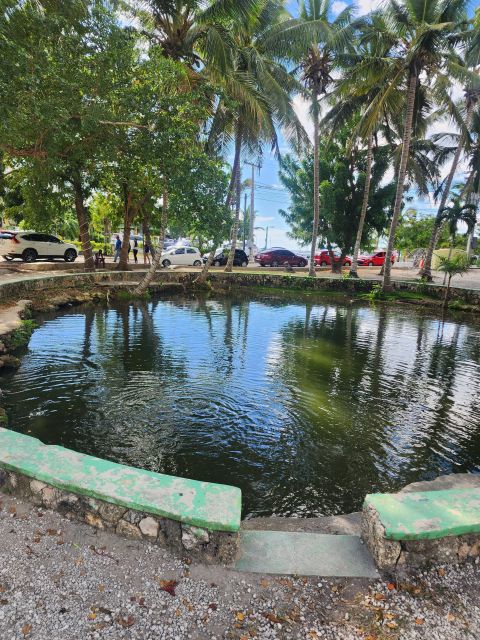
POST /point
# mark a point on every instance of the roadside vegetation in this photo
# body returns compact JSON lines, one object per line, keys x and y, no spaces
{"x":123,"y":115}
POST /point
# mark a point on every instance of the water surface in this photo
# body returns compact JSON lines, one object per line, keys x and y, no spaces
{"x":306,"y":407}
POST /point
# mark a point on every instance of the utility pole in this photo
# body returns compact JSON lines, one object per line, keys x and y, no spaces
{"x":252,"y":208}
{"x":244,"y":219}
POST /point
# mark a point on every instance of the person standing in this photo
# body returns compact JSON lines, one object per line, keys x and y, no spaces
{"x":135,"y":250}
{"x":118,"y":248}
{"x":146,"y":253}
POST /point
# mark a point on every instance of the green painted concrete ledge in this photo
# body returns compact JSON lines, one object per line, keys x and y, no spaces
{"x":215,"y":507}
{"x":427,"y":515}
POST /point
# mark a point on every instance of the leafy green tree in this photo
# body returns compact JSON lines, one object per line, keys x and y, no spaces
{"x":52,"y":80}
{"x":342,"y":184}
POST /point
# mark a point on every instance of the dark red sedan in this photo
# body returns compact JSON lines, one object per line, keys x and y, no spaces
{"x":322,"y":259}
{"x":278,"y":257}
{"x":375,"y":259}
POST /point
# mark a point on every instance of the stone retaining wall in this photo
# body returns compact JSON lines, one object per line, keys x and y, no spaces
{"x":193,"y":542}
{"x":23,"y":287}
{"x":403,"y":555}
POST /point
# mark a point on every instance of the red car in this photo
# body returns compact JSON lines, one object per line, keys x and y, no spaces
{"x":277,"y":257}
{"x":322,"y":259}
{"x":376,"y":259}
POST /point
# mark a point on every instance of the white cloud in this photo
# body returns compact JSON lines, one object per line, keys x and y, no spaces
{"x":261,"y":219}
{"x":302,"y":109}
{"x":365,"y":6}
{"x":338,"y":6}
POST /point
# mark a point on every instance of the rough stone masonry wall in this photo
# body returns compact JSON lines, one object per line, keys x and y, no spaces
{"x":218,"y":547}
{"x":402,"y":555}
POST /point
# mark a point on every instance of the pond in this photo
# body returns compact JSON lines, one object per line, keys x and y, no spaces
{"x":307,"y":406}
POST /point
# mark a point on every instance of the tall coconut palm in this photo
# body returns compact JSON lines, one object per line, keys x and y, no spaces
{"x":257,"y":59}
{"x":472,"y":97}
{"x":422,"y":52}
{"x":313,"y":41}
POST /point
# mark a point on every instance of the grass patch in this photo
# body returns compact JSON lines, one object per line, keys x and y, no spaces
{"x":130,"y":295}
{"x":21,"y":336}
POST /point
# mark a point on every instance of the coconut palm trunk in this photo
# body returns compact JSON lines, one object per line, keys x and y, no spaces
{"x":82,"y":218}
{"x":426,"y":271}
{"x":363,"y":212}
{"x":407,"y":137}
{"x":233,"y":245}
{"x":142,"y":287}
{"x":316,"y":185}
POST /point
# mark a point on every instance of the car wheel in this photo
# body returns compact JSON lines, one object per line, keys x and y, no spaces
{"x":217,"y":263}
{"x":70,"y":255}
{"x":303,"y":263}
{"x":347,"y":264}
{"x":166,"y":263}
{"x":29,"y":255}
{"x":244,"y":263}
{"x":323,"y":263}
{"x":274,"y":263}
{"x":197,"y":263}
{"x":8,"y":258}
{"x":370,"y":264}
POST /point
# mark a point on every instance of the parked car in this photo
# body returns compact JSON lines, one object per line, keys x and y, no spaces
{"x":322,"y":259}
{"x":186,"y":256}
{"x":276,"y":257}
{"x":375,"y":259}
{"x":220,"y":260}
{"x":29,"y":246}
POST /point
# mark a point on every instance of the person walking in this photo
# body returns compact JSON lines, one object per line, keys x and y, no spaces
{"x":118,"y":248}
{"x":146,"y":253}
{"x":135,"y":250}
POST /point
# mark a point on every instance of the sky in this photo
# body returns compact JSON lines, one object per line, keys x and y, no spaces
{"x":270,"y":196}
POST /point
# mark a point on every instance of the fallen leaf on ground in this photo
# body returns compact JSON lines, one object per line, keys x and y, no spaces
{"x":419,"y":620}
{"x":391,"y":586}
{"x":264,"y":583}
{"x":441,"y":572}
{"x":168,"y":586}
{"x":392,"y":625}
{"x":450,"y":617}
{"x":126,"y":622}
{"x":101,"y":588}
{"x":26,"y":629}
{"x":379,"y":596}
{"x":240,"y":616}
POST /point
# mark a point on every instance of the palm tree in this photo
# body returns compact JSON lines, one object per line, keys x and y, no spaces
{"x":470,"y":100}
{"x":422,"y":55}
{"x":316,"y":61}
{"x":257,"y":59}
{"x":452,"y":215}
{"x":456,"y":266}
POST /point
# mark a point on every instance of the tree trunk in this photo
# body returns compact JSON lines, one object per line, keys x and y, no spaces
{"x":233,"y":245}
{"x":141,"y":288}
{"x":447,"y":293}
{"x":426,"y":271}
{"x":363,"y":212}
{"x":316,"y":186}
{"x":407,"y":136}
{"x":82,"y":218}
{"x":127,"y":225}
{"x":147,"y":236}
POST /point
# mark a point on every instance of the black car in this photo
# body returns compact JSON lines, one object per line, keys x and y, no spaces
{"x":240,"y":259}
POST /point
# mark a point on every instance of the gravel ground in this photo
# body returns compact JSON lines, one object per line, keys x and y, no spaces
{"x":64,"y":581}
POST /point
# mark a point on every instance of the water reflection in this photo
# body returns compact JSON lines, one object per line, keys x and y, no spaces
{"x":305,"y":406}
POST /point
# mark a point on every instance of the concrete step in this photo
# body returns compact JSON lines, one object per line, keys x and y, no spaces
{"x":304,"y":554}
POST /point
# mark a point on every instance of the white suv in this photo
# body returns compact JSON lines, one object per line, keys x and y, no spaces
{"x":29,"y":246}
